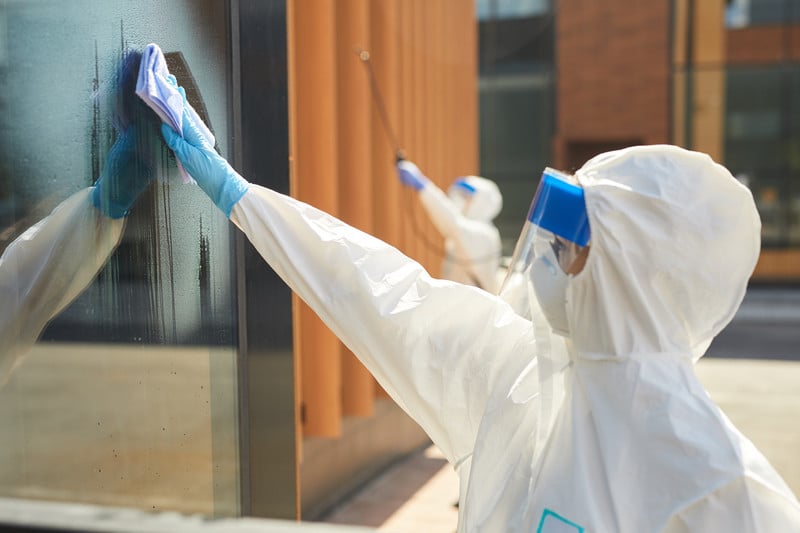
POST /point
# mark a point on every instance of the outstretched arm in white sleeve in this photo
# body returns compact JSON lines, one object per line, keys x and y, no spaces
{"x":51,"y":263}
{"x":439,"y":348}
{"x":47,"y":267}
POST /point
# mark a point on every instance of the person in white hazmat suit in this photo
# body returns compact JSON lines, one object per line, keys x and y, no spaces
{"x":615,"y":435}
{"x":464,"y":218}
{"x":50,"y":264}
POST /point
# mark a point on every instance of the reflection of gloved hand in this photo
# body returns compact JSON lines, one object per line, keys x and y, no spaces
{"x":126,"y":173}
{"x":410,"y":175}
{"x":211,"y":171}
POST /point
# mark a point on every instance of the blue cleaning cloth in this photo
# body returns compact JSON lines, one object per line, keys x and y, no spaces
{"x":160,"y":91}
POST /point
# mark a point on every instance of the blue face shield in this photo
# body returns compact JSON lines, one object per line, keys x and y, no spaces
{"x":557,"y":224}
{"x":554,"y":235}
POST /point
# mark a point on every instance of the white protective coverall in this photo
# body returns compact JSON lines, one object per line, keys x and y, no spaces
{"x":47,"y":267}
{"x":636,"y":443}
{"x":472,"y":242}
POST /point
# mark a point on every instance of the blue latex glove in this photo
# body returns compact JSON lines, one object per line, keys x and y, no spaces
{"x":209,"y":169}
{"x":410,"y":175}
{"x":127,"y":172}
{"x":129,"y":165}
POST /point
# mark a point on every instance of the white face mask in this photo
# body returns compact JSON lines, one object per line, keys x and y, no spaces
{"x":550,"y":287}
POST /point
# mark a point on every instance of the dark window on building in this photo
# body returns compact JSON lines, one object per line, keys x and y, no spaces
{"x":743,"y":13}
{"x":517,"y":104}
{"x":762,"y":144}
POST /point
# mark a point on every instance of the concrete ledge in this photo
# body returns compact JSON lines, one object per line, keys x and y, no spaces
{"x":26,"y":515}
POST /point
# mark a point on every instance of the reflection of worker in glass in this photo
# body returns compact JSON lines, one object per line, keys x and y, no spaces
{"x":51,"y":263}
{"x":640,"y":261}
{"x":464,"y":218}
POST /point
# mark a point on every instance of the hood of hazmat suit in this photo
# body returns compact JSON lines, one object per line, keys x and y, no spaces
{"x":479,"y":198}
{"x":609,"y":433}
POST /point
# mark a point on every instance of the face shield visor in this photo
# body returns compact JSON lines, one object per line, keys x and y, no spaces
{"x":552,"y":245}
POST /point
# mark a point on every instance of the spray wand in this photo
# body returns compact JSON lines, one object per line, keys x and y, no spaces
{"x":399,"y":153}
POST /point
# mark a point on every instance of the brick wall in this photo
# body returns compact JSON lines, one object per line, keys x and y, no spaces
{"x":763,"y":44}
{"x":613,"y":70}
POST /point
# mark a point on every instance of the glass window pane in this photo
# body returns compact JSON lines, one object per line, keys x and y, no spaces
{"x":743,"y":13}
{"x":762,"y":143}
{"x":517,"y":104}
{"x":129,"y":396}
{"x":488,"y":9}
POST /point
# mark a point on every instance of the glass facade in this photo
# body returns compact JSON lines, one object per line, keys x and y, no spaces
{"x":505,"y":9}
{"x":743,"y":13}
{"x":129,"y":397}
{"x":762,"y":144}
{"x":517,"y":84}
{"x":762,"y":113}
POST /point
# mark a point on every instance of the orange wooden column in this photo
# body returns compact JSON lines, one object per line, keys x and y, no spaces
{"x":313,"y":121}
{"x":406,"y":198}
{"x":462,"y":109}
{"x":434,"y":118}
{"x":384,"y":18}
{"x":384,"y":53}
{"x":355,"y":168}
{"x":418,"y":230}
{"x":680,"y":103}
{"x":708,"y":84}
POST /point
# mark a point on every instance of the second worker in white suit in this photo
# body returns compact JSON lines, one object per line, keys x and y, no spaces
{"x":464,"y":218}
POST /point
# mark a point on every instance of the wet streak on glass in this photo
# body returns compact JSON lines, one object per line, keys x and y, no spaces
{"x":137,"y":288}
{"x":95,"y":142}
